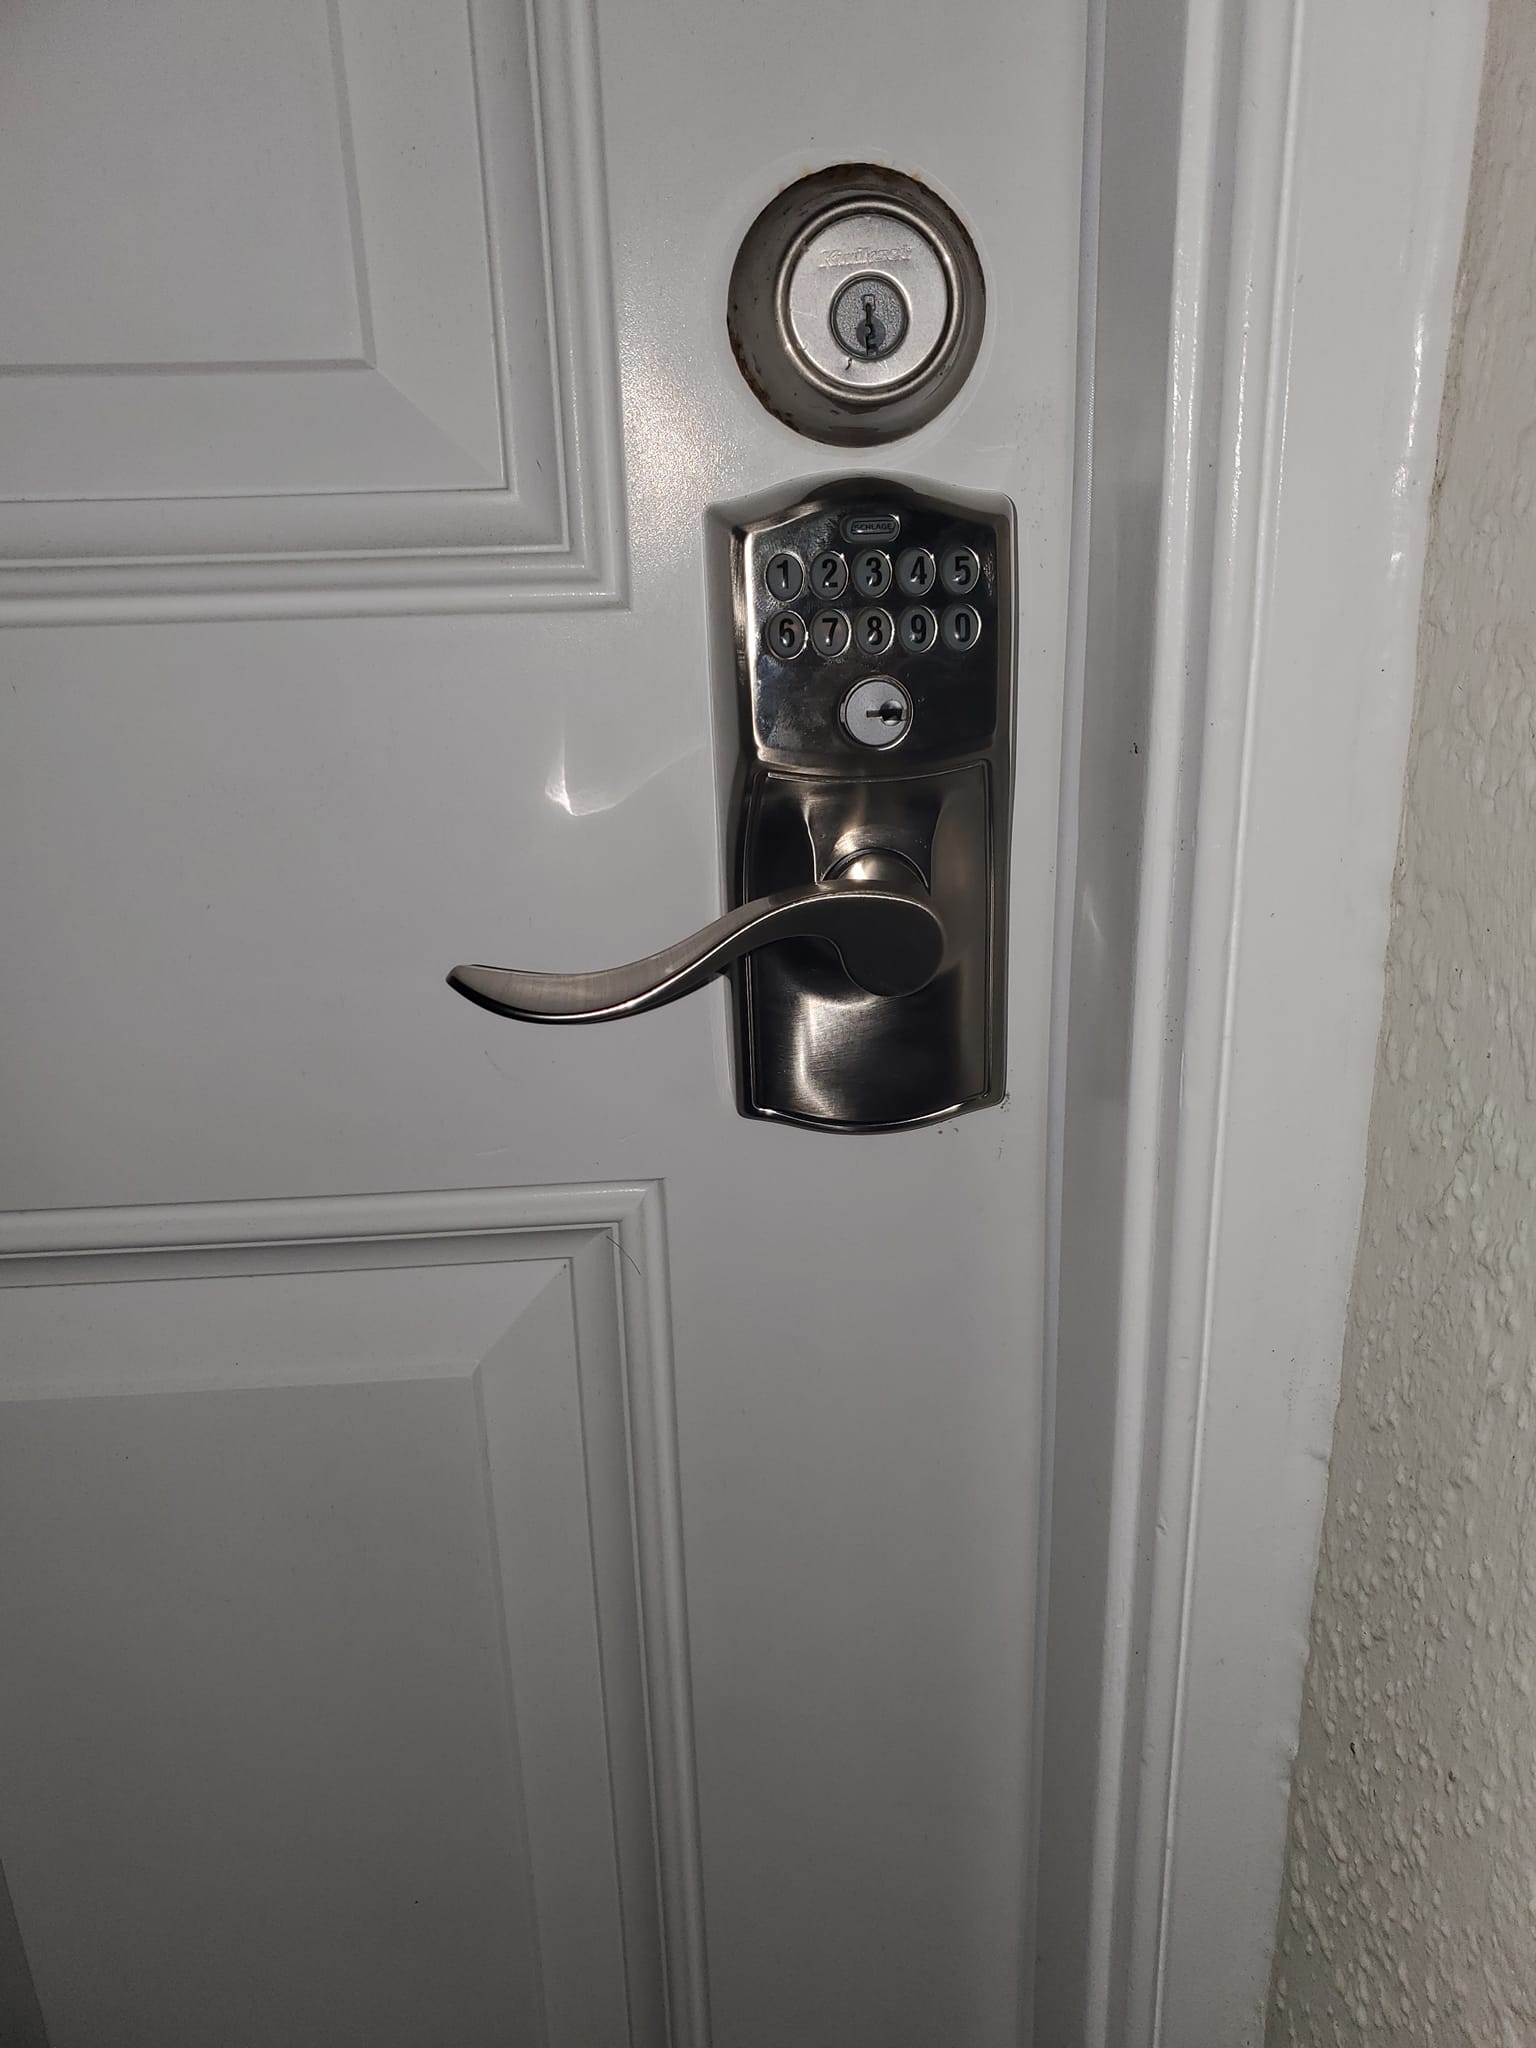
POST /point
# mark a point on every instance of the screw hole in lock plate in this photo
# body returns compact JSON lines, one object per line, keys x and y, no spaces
{"x":856,"y":305}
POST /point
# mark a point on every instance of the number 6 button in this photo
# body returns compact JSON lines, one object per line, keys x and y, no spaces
{"x":785,"y":635}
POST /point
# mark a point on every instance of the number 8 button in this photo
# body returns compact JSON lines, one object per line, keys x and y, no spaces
{"x":873,"y":631}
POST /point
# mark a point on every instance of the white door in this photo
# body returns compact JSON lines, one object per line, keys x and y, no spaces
{"x":495,"y":1547}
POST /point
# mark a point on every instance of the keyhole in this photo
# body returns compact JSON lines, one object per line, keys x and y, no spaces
{"x":888,"y":714}
{"x":869,"y":318}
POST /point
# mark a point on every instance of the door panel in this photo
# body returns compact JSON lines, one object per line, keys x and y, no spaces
{"x":321,"y":1541}
{"x":307,"y":309}
{"x":251,"y":850}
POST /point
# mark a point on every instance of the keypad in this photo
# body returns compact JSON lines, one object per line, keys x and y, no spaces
{"x":871,"y":599}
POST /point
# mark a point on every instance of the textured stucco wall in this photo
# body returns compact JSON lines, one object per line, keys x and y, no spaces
{"x":1409,"y":1910}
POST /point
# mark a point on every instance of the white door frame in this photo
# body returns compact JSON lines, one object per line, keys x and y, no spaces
{"x":1273,"y":215}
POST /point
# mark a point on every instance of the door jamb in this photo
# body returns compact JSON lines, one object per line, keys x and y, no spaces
{"x":1250,"y":528}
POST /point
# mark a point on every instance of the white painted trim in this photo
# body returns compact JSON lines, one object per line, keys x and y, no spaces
{"x":1316,"y":215}
{"x":68,"y":1247}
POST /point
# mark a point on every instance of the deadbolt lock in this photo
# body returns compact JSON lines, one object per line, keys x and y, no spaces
{"x":856,"y":305}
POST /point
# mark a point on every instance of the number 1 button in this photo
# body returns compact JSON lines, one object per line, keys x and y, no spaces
{"x":783,"y":577}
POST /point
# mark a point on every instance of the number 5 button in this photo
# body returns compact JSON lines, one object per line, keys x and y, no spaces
{"x":959,"y":571}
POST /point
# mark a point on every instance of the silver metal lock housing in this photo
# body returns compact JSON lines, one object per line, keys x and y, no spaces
{"x":857,"y":305}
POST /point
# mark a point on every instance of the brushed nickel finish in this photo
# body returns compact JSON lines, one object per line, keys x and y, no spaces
{"x":868,"y":825}
{"x":888,"y":939}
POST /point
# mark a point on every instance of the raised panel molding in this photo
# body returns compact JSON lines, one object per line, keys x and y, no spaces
{"x":457,"y":446}
{"x":381,"y":1300}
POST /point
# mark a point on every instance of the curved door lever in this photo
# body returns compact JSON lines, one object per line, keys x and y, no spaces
{"x":890,"y":939}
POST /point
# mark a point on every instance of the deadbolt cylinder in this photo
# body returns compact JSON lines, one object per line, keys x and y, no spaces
{"x":857,"y":305}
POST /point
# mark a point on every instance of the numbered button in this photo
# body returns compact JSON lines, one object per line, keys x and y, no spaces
{"x":872,"y":573}
{"x":873,"y":631}
{"x":960,"y":571}
{"x":917,"y":629}
{"x":784,"y":577}
{"x":830,"y":634}
{"x":961,"y":627}
{"x":784,"y":635}
{"x":829,"y":575}
{"x":915,"y":573}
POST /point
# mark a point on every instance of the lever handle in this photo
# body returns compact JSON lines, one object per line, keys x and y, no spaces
{"x":890,"y":940}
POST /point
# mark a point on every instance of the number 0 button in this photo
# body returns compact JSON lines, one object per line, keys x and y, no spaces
{"x":960,"y":571}
{"x":784,"y":635}
{"x":961,"y":627}
{"x":829,"y":575}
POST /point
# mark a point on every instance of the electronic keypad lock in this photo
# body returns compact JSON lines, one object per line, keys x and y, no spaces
{"x":868,"y":687}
